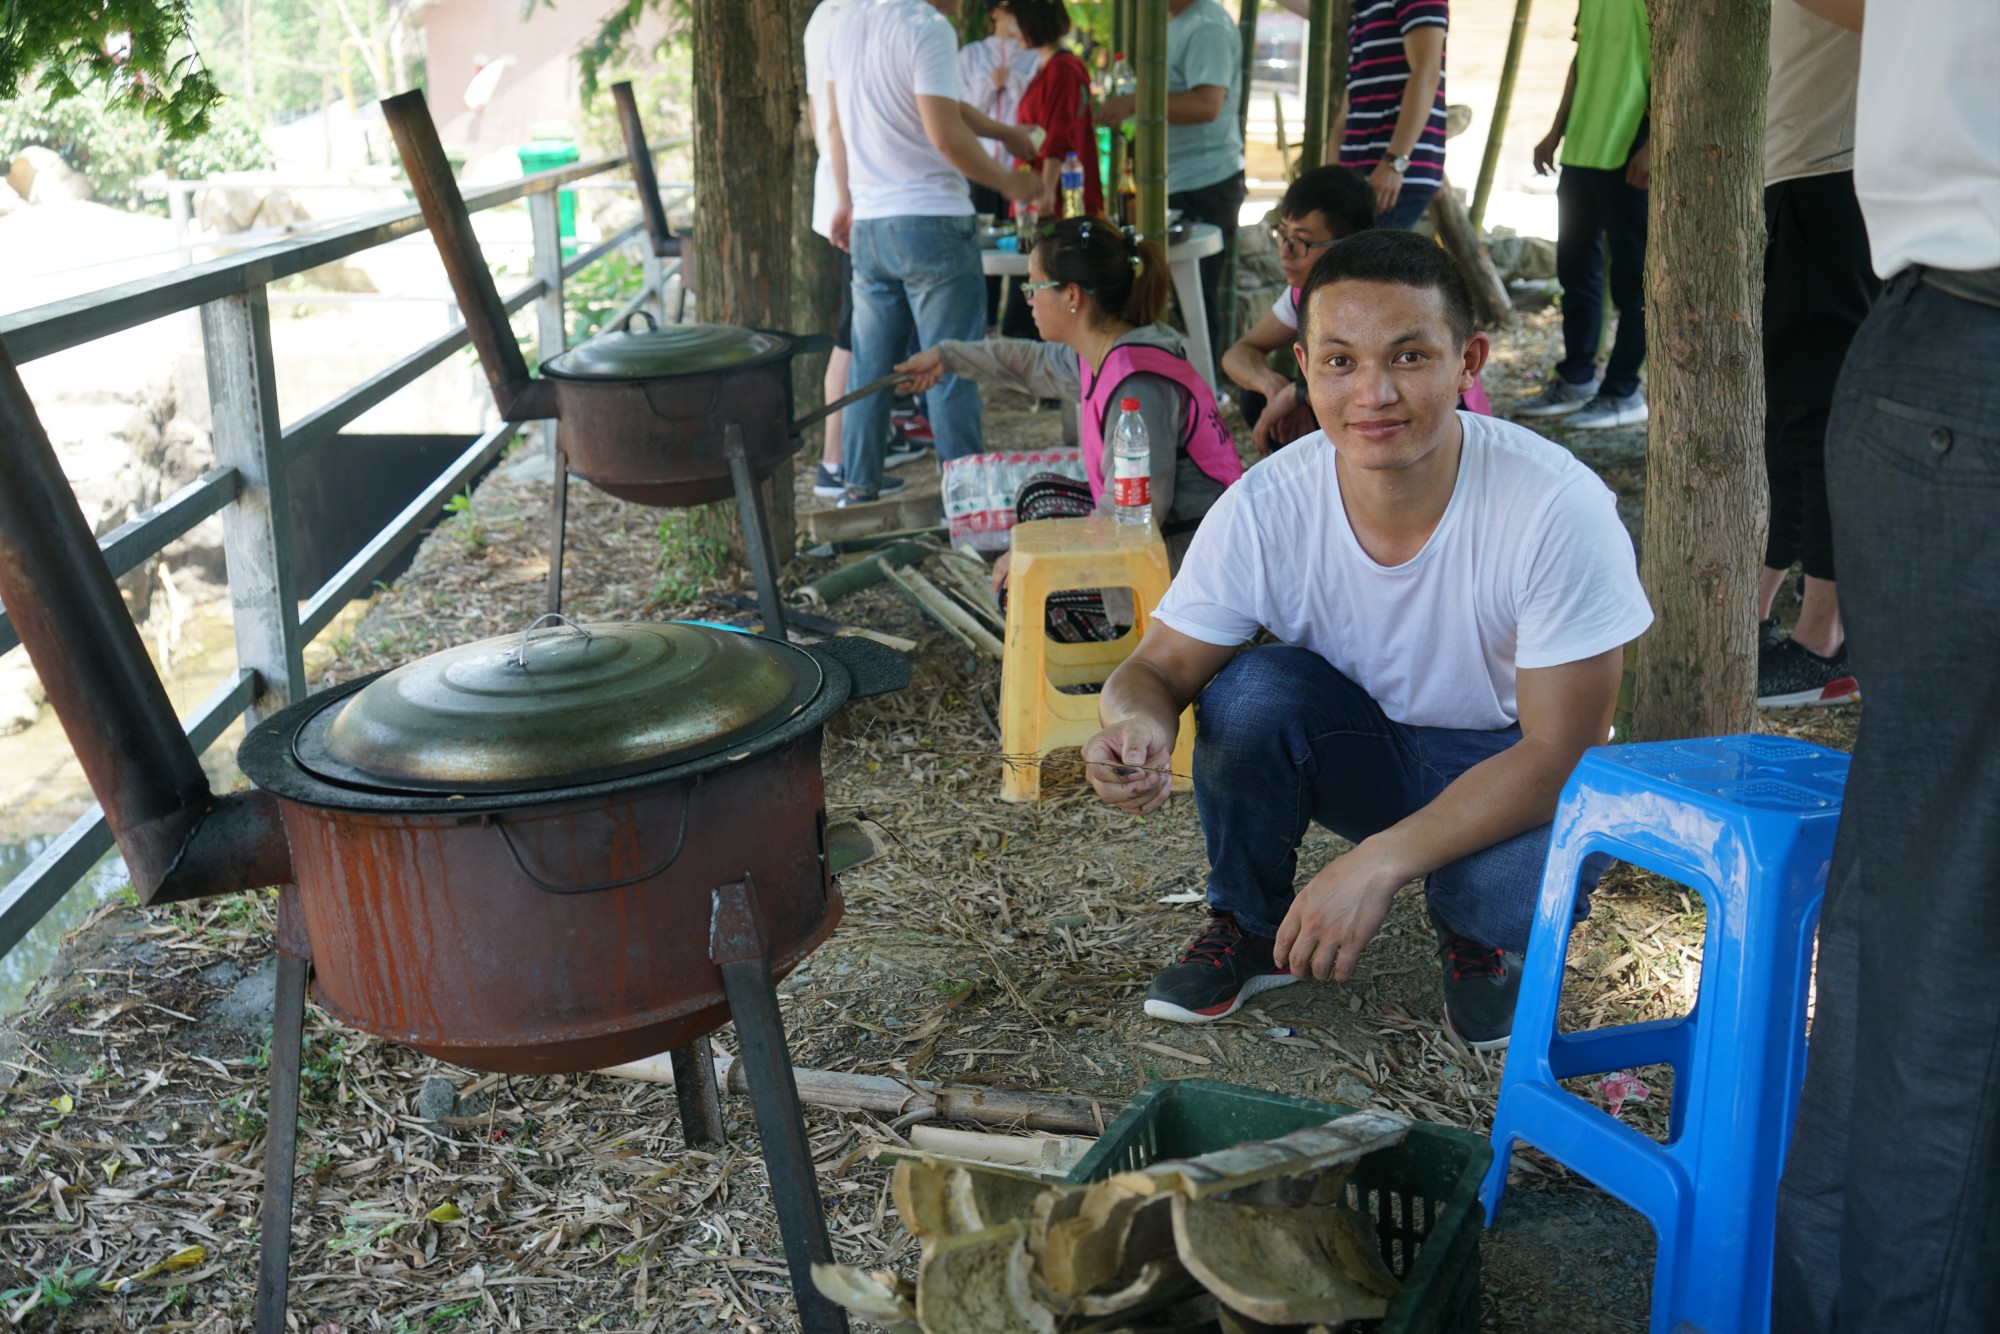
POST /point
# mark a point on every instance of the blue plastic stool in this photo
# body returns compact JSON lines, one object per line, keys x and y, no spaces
{"x":1749,"y":822}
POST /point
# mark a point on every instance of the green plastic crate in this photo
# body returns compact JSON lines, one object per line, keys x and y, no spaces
{"x":1423,"y":1194}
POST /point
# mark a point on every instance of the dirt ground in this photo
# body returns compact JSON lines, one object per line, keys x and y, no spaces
{"x":993,"y":944}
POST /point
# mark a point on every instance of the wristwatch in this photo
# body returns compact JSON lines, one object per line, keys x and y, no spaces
{"x":1399,"y":165}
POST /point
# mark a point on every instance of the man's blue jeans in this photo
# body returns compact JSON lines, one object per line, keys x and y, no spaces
{"x":1282,"y":739}
{"x":921,"y":273}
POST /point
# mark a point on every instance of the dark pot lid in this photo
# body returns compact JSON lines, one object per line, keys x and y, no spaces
{"x":559,"y":707}
{"x":678,"y":349}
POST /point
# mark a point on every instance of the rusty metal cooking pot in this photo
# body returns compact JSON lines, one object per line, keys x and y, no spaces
{"x":505,"y":852}
{"x":645,"y":412}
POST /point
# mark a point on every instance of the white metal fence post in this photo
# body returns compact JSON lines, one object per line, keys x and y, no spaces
{"x":545,"y":221}
{"x":256,"y":530}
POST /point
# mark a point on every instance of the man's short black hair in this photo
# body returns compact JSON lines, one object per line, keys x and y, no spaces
{"x":1338,"y":193}
{"x":1386,"y":256}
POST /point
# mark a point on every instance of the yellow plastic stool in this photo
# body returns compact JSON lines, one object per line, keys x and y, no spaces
{"x":1054,"y":556}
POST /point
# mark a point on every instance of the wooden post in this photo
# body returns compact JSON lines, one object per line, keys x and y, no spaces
{"x":1149,"y":62}
{"x":1503,"y":102}
{"x":1696,"y":668}
{"x":545,"y":226}
{"x":256,"y":530}
{"x":746,"y":108}
{"x":1320,"y":91}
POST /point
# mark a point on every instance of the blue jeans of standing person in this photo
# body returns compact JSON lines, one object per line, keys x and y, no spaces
{"x":918,"y":273}
{"x":1889,"y":1212}
{"x":1596,"y":210}
{"x":1407,"y":210}
{"x":1282,"y":740}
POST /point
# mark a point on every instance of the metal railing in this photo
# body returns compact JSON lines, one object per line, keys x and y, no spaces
{"x":274,"y":620}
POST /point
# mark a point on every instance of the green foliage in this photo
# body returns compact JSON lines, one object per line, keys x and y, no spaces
{"x":56,"y":1290}
{"x":690,"y":558}
{"x":117,"y":146}
{"x":140,"y":51}
{"x":596,"y":293}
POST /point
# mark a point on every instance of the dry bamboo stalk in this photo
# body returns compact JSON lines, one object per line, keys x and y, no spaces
{"x":946,"y":612}
{"x":885,"y":1096}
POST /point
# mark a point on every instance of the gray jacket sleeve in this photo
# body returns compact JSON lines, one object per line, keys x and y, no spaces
{"x":1041,"y":370}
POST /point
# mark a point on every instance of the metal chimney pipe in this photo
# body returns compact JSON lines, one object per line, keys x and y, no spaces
{"x":518,"y":397}
{"x":665,"y":244}
{"x":179,"y":840}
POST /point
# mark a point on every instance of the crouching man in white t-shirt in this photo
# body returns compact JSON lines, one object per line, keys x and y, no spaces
{"x":1453,"y":594}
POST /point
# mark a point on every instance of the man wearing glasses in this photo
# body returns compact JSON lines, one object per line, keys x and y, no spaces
{"x":1322,"y":206}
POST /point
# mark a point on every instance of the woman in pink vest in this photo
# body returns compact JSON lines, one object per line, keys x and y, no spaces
{"x":1097,"y":300}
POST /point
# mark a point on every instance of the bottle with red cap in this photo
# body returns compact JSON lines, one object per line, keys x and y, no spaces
{"x":1131,"y":466}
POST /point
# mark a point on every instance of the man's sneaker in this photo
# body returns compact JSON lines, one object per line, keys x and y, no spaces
{"x":901,"y":450}
{"x":1481,"y":984}
{"x":1558,"y":398}
{"x":854,"y":495}
{"x":914,"y":428}
{"x":1790,"y":675}
{"x":1224,"y":967}
{"x":1605,"y":411}
{"x":827,"y":483}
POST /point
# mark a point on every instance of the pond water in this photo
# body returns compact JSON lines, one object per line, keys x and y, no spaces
{"x":23,"y":966}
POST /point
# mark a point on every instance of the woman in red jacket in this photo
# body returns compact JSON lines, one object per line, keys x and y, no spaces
{"x":1058,"y":100}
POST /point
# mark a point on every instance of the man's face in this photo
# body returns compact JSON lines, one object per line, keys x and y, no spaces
{"x":1300,"y":242}
{"x":1383,"y":370}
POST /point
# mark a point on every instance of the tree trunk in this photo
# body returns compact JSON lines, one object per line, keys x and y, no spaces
{"x":1705,"y":491}
{"x":1490,"y":300}
{"x":747,"y":104}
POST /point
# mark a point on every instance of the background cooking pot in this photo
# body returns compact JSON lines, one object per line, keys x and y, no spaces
{"x":645,"y":410}
{"x":505,"y":852}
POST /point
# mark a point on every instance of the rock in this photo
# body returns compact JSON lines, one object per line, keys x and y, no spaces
{"x":438,"y":1099}
{"x":1517,"y":257}
{"x":249,"y":1005}
{"x":1353,"y":1091}
{"x":21,"y":693}
{"x":222,"y":975}
{"x":40,"y":176}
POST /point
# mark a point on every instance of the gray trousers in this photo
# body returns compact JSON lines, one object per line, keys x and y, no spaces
{"x":1889,"y":1213}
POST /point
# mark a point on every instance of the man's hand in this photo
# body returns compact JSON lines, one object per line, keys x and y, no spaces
{"x":842,"y":226}
{"x":998,"y":580}
{"x":1281,"y":407}
{"x":1023,"y":142}
{"x":1117,"y":109}
{"x":1545,"y":153}
{"x":921,"y":371}
{"x":1127,"y":764}
{"x":1387,"y":183}
{"x":1337,"y":913}
{"x":1023,"y":184}
{"x":1639,"y":170}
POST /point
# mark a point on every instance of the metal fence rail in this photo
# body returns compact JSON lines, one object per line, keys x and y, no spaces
{"x":273,"y":621}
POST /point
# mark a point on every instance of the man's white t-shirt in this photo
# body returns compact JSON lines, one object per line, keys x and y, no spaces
{"x":1529,"y":567}
{"x":1286,"y":307}
{"x":884,"y":55}
{"x":818,"y":43}
{"x":1927,"y":135}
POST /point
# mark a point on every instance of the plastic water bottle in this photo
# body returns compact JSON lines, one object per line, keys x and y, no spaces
{"x":1072,"y":186}
{"x":1122,"y":79}
{"x":1131,"y":466}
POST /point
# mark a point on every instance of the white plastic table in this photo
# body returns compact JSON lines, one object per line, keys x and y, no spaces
{"x":1183,"y":262}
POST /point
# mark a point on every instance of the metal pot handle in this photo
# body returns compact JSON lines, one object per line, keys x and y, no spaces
{"x":519,"y":657}
{"x":680,"y":842}
{"x":652,"y":325}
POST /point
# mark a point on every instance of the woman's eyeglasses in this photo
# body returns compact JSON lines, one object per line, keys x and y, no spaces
{"x":1028,"y":290}
{"x":1296,"y":245}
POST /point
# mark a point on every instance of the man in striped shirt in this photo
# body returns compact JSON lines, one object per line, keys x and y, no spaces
{"x":1393,"y":114}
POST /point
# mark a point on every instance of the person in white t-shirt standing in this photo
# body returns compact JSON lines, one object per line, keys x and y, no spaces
{"x":903,"y":147}
{"x":1887,"y":1216}
{"x":1452,"y":593}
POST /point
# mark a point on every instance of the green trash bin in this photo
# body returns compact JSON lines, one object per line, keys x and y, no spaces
{"x":552,"y":147}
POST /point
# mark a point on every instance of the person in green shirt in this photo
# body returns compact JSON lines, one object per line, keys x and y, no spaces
{"x":1601,"y":129}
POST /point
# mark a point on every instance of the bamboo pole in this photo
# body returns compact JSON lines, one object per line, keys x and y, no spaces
{"x":1246,"y":34}
{"x":1503,"y":102}
{"x":1121,"y":36}
{"x":909,"y":1100}
{"x":1150,"y":64}
{"x":1320,"y":93}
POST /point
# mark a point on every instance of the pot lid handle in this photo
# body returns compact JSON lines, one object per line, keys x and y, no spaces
{"x":651,"y":324}
{"x":519,"y":657}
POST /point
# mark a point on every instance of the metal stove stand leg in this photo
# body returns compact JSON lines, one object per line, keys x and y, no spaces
{"x":281,"y":1139}
{"x":736,"y":942}
{"x":756,"y":532}
{"x":698,"y":1096}
{"x":558,"y":523}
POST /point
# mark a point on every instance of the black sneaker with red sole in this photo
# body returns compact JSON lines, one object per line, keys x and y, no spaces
{"x":1481,"y":984}
{"x":1790,"y":676}
{"x":1224,"y":967}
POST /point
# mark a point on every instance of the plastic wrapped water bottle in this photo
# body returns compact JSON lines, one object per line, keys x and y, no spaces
{"x":1072,"y":186}
{"x":1122,"y":79}
{"x":1131,"y":466}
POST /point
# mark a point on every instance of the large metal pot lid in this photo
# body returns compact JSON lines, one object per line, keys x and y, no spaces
{"x":658,"y":353}
{"x":557,"y":707}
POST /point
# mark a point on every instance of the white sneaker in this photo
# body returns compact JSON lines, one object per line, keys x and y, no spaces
{"x":1604,"y":411}
{"x":1558,"y":398}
